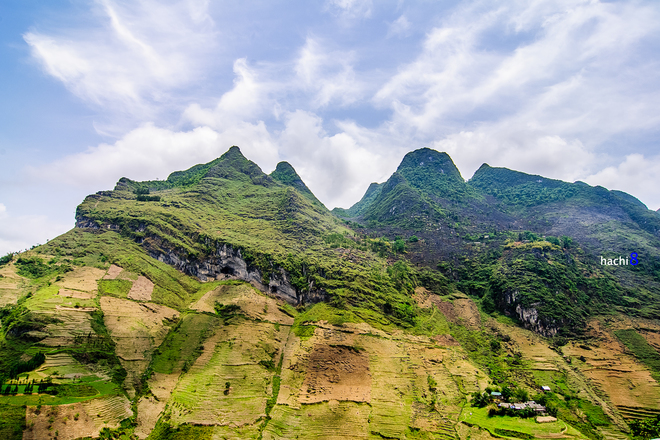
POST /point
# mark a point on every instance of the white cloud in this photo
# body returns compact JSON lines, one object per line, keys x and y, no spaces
{"x":534,"y":153}
{"x":132,"y":55}
{"x":349,"y":10}
{"x":399,"y":27}
{"x":637,"y":175}
{"x":536,"y":86}
{"x":567,"y":77}
{"x":337,"y":168}
{"x":327,"y":76}
{"x":21,"y":232}
{"x":247,"y":100}
{"x":150,"y":152}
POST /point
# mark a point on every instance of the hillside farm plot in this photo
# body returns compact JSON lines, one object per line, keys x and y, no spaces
{"x":231,"y":381}
{"x":83,"y":279}
{"x":182,"y":345}
{"x":628,"y":384}
{"x":76,"y":294}
{"x":60,"y":365}
{"x":11,"y":285}
{"x":459,"y":310}
{"x":254,"y":304}
{"x":83,"y":419}
{"x":113,"y":272}
{"x":402,"y":378}
{"x":150,"y":407}
{"x":327,"y":420}
{"x":137,"y":329}
{"x":336,"y":372}
{"x":64,"y":320}
{"x":141,"y":290}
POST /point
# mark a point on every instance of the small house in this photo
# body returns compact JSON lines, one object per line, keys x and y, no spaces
{"x":496,"y":396}
{"x":545,"y":388}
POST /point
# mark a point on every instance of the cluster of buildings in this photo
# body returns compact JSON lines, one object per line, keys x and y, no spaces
{"x":537,"y":407}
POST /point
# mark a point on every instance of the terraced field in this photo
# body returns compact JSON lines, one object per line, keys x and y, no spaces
{"x":230,"y":382}
{"x":243,"y":373}
{"x":85,"y":419}
{"x":628,"y":384}
{"x":137,"y":329}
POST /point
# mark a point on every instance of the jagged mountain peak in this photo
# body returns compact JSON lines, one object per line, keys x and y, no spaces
{"x":287,"y":175}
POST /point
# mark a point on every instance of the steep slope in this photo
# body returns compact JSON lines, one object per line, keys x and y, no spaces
{"x":359,"y":207}
{"x":285,"y":174}
{"x":426,"y":190}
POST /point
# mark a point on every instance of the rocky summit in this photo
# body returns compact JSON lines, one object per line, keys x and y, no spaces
{"x":225,"y":303}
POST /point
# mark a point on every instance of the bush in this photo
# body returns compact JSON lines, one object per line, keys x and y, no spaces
{"x":143,"y":198}
{"x":6,"y":259}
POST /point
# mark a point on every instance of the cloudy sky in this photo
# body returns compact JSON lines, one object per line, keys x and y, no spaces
{"x":342,"y":89}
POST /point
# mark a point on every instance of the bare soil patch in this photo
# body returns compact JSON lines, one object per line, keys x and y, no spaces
{"x":336,"y":373}
{"x":458,"y":311}
{"x":652,"y":337}
{"x":64,"y":422}
{"x":82,"y":279}
{"x":446,"y":341}
{"x":141,"y":290}
{"x":112,"y":273}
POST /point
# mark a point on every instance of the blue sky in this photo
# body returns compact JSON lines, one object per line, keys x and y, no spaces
{"x":342,"y":89}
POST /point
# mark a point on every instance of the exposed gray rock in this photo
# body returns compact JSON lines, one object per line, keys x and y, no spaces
{"x":228,"y":264}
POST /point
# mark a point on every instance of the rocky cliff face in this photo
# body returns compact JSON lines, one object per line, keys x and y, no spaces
{"x":529,"y":316}
{"x":226,"y":263}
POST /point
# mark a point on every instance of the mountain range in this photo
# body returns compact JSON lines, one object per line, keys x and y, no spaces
{"x":223,"y":302}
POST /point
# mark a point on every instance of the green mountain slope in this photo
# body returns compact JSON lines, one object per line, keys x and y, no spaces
{"x":358,"y":208}
{"x":285,"y":174}
{"x":494,"y":236}
{"x":226,"y":303}
{"x":235,"y":221}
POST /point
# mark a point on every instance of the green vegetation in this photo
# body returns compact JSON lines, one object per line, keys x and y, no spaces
{"x":645,"y":429}
{"x":164,"y":431}
{"x":184,"y":343}
{"x":285,"y":174}
{"x":235,"y":205}
{"x":116,"y":288}
{"x":356,"y":210}
{"x":22,"y":367}
{"x":35,"y":267}
{"x":6,"y":259}
{"x":514,"y":426}
{"x":12,"y":422}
